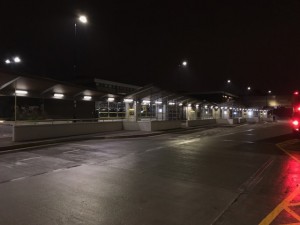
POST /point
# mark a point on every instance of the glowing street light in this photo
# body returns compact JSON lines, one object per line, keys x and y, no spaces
{"x":248,"y":88}
{"x":228,"y":81}
{"x":82,"y":19}
{"x":184,"y":63}
{"x":269,"y":92}
{"x":17,"y":59}
{"x":13,"y":60}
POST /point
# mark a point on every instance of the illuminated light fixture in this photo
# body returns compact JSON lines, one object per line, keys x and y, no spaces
{"x":57,"y":95}
{"x":205,"y":106}
{"x":222,"y":107}
{"x":248,"y":88}
{"x":21,"y":92}
{"x":225,"y":112}
{"x":295,"y":123}
{"x":158,"y":102}
{"x":184,"y":63}
{"x":226,"y":107}
{"x":180,"y":104}
{"x":211,"y":107}
{"x":83,"y":19}
{"x":228,"y":81}
{"x":171,"y":103}
{"x":217,"y":107}
{"x":110,"y":99}
{"x":1,"y":121}
{"x":87,"y":98}
{"x":206,"y":112}
{"x":197,"y":105}
{"x":230,"y":108}
{"x":269,"y":92}
{"x":189,"y":105}
{"x":159,"y":110}
{"x":17,"y":59}
{"x":296,"y":93}
{"x":7,"y":61}
{"x":146,"y":101}
{"x":128,"y":100}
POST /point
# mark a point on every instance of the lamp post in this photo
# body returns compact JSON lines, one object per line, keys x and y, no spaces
{"x":11,"y":62}
{"x":269,"y":92}
{"x":82,"y":19}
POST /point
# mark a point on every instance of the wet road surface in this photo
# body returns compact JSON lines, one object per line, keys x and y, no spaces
{"x":223,"y":175}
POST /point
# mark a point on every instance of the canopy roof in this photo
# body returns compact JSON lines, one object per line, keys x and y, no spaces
{"x":39,"y":87}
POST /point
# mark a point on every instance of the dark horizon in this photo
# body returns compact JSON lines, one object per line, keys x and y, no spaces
{"x":251,"y":43}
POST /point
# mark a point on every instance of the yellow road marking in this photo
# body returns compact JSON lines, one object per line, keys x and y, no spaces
{"x":285,"y":151}
{"x":287,"y":202}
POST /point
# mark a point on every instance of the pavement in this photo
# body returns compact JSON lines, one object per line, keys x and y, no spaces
{"x":7,"y":145}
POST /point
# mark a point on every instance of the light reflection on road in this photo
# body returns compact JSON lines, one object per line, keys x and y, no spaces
{"x":288,"y":211}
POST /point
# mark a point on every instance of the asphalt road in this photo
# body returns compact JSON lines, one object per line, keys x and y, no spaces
{"x":224,"y":175}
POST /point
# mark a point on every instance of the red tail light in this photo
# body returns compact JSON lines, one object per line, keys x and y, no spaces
{"x":295,"y":122}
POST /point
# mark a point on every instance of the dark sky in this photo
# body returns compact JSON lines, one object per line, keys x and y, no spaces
{"x":254,"y":43}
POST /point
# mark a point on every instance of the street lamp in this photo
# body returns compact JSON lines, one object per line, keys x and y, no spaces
{"x":267,"y":100}
{"x":249,"y":88}
{"x":82,"y":19}
{"x":17,"y":59}
{"x":184,"y":63}
{"x":228,"y":81}
{"x":14,"y":60}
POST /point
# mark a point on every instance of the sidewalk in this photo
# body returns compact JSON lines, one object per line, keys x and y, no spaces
{"x":7,"y":144}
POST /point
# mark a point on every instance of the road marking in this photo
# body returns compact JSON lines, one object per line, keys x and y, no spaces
{"x":280,"y":146}
{"x":153,"y":149}
{"x":30,"y":158}
{"x":76,"y":150}
{"x":284,"y":205}
{"x":290,"y":201}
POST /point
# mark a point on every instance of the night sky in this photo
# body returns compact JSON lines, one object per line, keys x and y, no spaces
{"x":255,"y":43}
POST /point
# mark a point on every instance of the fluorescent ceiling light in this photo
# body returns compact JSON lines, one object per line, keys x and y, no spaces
{"x":110,"y":99}
{"x":158,"y":102}
{"x":21,"y":92}
{"x":57,"y":95}
{"x":128,"y":100}
{"x":146,"y":101}
{"x":86,"y":97}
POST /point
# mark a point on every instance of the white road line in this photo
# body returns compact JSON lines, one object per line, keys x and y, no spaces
{"x":30,"y":158}
{"x":76,"y":150}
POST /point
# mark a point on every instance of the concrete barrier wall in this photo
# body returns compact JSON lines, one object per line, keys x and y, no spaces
{"x":252,"y":120}
{"x":193,"y":123}
{"x":35,"y":132}
{"x":144,"y":125}
{"x":232,"y":121}
{"x":165,"y":125}
{"x":131,"y":125}
{"x":158,"y":125}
